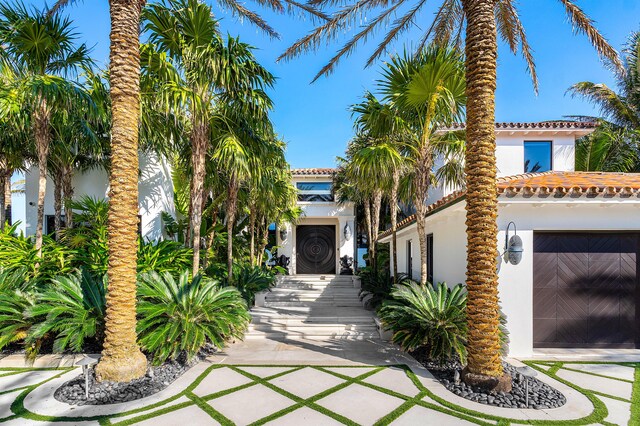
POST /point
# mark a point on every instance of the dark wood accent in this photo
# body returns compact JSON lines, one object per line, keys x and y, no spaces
{"x":316,"y":249}
{"x":585,"y":290}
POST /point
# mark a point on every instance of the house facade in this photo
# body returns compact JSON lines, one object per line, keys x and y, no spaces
{"x":576,"y":284}
{"x":326,"y":230}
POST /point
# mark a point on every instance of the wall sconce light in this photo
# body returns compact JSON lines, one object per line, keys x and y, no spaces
{"x":347,"y":232}
{"x":513,"y":246}
{"x":283,"y":233}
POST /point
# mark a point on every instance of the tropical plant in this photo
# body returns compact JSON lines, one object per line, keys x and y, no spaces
{"x":71,"y":310}
{"x":88,"y":237}
{"x":609,"y":148}
{"x":428,"y":316}
{"x":206,"y":73}
{"x":39,"y":49}
{"x":183,"y":315}
{"x":250,"y":280}
{"x":478,"y":23}
{"x":16,"y":296}
{"x":19,"y":252}
{"x":623,"y":107}
{"x":377,"y":286}
{"x":163,"y":256}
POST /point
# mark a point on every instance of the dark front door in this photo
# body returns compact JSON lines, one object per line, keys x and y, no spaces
{"x":316,"y":249}
{"x":585,"y":290}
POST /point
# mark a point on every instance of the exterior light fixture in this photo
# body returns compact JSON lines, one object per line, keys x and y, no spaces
{"x":283,"y":233}
{"x":347,"y":232}
{"x":87,"y":362}
{"x":513,"y":246}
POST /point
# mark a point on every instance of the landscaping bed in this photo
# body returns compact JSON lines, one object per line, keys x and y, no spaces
{"x":156,"y":379}
{"x":541,"y":395}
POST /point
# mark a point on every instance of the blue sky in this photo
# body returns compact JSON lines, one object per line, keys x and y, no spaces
{"x":314,"y":119}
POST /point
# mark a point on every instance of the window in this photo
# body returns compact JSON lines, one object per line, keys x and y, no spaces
{"x":50,"y":224}
{"x":537,"y":156}
{"x":315,"y":191}
{"x":409,"y":260}
{"x":430,"y":258}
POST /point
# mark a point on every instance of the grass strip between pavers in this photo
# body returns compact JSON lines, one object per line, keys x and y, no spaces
{"x":635,"y":399}
{"x":445,"y":407}
{"x":591,"y":373}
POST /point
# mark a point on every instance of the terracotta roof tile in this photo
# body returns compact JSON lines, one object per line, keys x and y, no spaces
{"x":312,"y":172}
{"x":549,"y":184}
{"x":541,"y":125}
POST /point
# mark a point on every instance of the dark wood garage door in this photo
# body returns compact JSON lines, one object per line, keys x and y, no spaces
{"x":316,"y":249}
{"x":585,"y":290}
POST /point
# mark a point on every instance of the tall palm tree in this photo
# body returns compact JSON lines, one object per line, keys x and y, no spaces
{"x":477,"y":23}
{"x":207,"y":73}
{"x":122,"y":360}
{"x":40,"y":50}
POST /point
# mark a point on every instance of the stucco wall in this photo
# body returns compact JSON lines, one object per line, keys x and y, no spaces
{"x":510,"y":152}
{"x":516,"y":281}
{"x":155,"y":193}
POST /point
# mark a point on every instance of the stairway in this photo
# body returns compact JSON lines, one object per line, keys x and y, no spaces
{"x":313,"y":307}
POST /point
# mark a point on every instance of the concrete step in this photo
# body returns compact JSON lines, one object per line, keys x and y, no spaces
{"x":314,"y":328}
{"x":313,"y":303}
{"x":344,"y":291}
{"x":288,"y":335}
{"x":313,"y":314}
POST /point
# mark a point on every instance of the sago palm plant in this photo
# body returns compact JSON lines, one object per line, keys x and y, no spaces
{"x":183,"y":315}
{"x":16,"y":296}
{"x":428,"y":316}
{"x":71,"y":310}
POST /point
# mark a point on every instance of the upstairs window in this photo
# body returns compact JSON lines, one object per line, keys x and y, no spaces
{"x":315,"y":191}
{"x":537,"y":156}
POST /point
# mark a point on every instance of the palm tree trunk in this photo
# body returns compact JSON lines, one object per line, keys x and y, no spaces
{"x":375,"y":224}
{"x":421,"y":196}
{"x":199,"y":144}
{"x":121,"y":359}
{"x":57,"y":203}
{"x":264,"y":241}
{"x":3,"y":200}
{"x":483,"y":317}
{"x":67,"y":188}
{"x":210,"y":237}
{"x":232,"y":204}
{"x":394,"y":222}
{"x":367,"y":221}
{"x":7,"y":198}
{"x":41,"y":135}
{"x":252,"y":234}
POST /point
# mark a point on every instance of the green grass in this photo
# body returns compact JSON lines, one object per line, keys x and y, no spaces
{"x":598,"y":413}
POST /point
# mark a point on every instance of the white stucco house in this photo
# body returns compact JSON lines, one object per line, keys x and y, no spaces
{"x":576,"y":285}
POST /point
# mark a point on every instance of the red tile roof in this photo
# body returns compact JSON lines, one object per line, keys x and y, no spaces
{"x":542,"y":125}
{"x":313,"y":172}
{"x":548,"y":184}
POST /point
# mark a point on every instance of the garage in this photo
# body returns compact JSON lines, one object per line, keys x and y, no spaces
{"x":585,"y":290}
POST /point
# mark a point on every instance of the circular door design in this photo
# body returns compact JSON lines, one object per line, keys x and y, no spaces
{"x":316,"y":249}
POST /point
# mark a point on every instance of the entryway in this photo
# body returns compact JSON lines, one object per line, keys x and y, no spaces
{"x":316,"y":249}
{"x":585,"y":290}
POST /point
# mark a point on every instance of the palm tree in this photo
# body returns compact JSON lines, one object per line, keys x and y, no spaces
{"x":428,"y":91}
{"x":614,"y":144}
{"x":478,"y":23}
{"x":207,"y":72}
{"x":122,"y":360}
{"x":39,"y":48}
{"x":622,"y":108}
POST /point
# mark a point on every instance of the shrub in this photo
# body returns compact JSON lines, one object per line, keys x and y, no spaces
{"x":433,"y":317}
{"x":182,"y":315}
{"x":18,"y":251}
{"x":89,"y":234}
{"x":71,"y":310}
{"x":16,"y":296}
{"x":250,"y":280}
{"x":378,"y":286}
{"x":164,"y":256}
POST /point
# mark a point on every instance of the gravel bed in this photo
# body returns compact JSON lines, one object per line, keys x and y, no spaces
{"x":541,"y":395}
{"x":156,"y":379}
